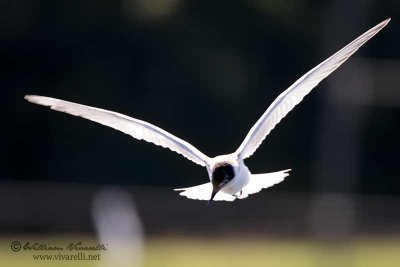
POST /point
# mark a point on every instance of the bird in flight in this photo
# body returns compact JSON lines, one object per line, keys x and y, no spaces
{"x":230,"y":179}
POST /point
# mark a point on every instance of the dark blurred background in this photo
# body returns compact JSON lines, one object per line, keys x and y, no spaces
{"x":204,"y":71}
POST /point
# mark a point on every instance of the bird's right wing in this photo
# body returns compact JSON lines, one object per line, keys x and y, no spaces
{"x":138,"y":129}
{"x":292,"y":96}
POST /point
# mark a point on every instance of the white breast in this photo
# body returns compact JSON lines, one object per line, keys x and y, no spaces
{"x":241,"y":179}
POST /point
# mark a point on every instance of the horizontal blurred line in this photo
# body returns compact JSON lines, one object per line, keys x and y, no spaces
{"x":47,"y":207}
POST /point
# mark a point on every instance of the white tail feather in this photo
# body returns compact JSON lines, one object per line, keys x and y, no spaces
{"x":203,"y":192}
{"x":261,"y":181}
{"x":256,"y":184}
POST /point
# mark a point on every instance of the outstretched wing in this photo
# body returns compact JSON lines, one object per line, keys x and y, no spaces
{"x":138,"y":129}
{"x":292,"y":96}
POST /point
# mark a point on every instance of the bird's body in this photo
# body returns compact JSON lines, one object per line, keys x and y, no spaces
{"x":229,"y":176}
{"x":241,"y":174}
{"x":241,"y":183}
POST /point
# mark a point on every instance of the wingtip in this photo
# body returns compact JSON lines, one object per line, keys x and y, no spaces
{"x":31,"y":98}
{"x":386,"y":21}
{"x":381,"y":25}
{"x":40,"y":100}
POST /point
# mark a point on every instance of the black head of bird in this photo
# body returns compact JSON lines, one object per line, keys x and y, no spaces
{"x":222,"y":174}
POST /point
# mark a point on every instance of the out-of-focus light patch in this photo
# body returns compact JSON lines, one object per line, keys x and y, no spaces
{"x":366,"y":81}
{"x":353,"y":85}
{"x":332,"y":221}
{"x":119,"y":227}
{"x":151,"y":10}
{"x":333,"y":216}
{"x":385,"y":80}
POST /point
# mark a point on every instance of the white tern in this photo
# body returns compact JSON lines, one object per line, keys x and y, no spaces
{"x":229,"y":176}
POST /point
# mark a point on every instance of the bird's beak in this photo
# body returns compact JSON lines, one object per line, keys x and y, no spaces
{"x":216,"y":189}
{"x":212,"y":197}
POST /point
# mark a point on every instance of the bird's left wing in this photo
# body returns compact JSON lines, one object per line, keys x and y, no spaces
{"x":138,"y":129}
{"x":292,"y":96}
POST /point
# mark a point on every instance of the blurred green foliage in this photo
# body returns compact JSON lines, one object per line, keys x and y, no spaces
{"x":170,"y":251}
